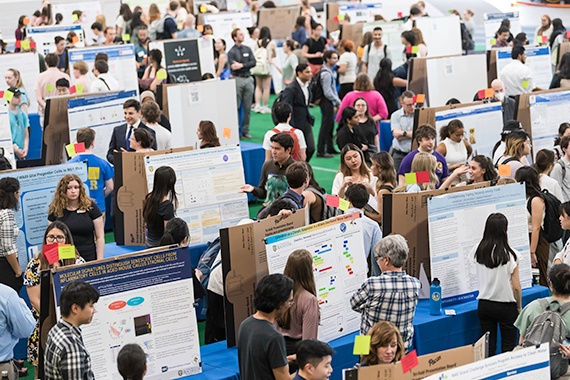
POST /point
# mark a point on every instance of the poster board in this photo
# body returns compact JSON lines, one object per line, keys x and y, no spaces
{"x":122,"y":63}
{"x":102,"y":113}
{"x":186,"y":59}
{"x":37,"y":187}
{"x":463,"y":216}
{"x":190,"y":103}
{"x":441,"y":34}
{"x":147,"y":299}
{"x":547,"y":112}
{"x":207,"y":187}
{"x":44,"y":36}
{"x":483,"y":125}
{"x":406,"y":214}
{"x":29,"y":67}
{"x":492,"y":22}
{"x":537,"y":59}
{"x":491,"y":66}
{"x":523,"y":110}
{"x":392,"y":36}
{"x":332,"y":10}
{"x":6,"y":135}
{"x":89,"y":11}
{"x":223,"y":23}
{"x":360,"y":12}
{"x":339,"y":266}
{"x":280,"y":20}
{"x":245,"y":263}
{"x":563,"y":48}
{"x":353,"y":32}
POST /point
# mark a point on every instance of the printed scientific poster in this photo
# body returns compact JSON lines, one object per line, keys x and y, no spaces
{"x":6,"y":135}
{"x":537,"y":59}
{"x":547,"y":112}
{"x":456,"y":223}
{"x":44,"y":36}
{"x":339,"y":265}
{"x":146,"y":299}
{"x":207,"y":184}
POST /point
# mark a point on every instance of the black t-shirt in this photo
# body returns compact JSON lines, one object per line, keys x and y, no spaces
{"x":156,"y":228}
{"x":80,"y":223}
{"x":345,"y":136}
{"x":261,"y":349}
{"x":315,"y":47}
{"x":368,"y":130}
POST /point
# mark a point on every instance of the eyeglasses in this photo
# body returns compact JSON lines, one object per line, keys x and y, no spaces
{"x":53,"y":238}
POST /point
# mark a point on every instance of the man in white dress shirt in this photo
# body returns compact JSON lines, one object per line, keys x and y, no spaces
{"x":516,"y":76}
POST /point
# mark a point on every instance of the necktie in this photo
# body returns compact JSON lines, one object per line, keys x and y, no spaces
{"x":129,"y":137}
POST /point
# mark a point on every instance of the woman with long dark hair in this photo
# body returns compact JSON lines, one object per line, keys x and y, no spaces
{"x":353,"y":169}
{"x":383,"y":169}
{"x":348,"y":131}
{"x":299,"y":33}
{"x":10,"y":271}
{"x":159,"y":205}
{"x":133,"y":26}
{"x":386,"y":82}
{"x":207,"y":133}
{"x":556,"y":38}
{"x":481,"y":169}
{"x":497,"y":266}
{"x":544,"y":163}
{"x":125,"y":15}
{"x":561,"y":78}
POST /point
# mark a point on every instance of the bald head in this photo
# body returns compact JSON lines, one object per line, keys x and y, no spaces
{"x":189,"y":22}
{"x":498,"y":89}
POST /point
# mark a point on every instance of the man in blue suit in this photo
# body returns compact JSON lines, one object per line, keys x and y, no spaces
{"x":122,"y":133}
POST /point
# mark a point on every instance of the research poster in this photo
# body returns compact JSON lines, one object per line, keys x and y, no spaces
{"x":528,"y":363}
{"x":537,"y":59}
{"x":456,"y":223}
{"x":122,"y":63}
{"x":89,"y":11}
{"x":102,"y":113}
{"x":392,"y":37}
{"x":483,"y":125}
{"x":37,"y":186}
{"x":186,"y":60}
{"x":207,"y":184}
{"x":44,"y":36}
{"x":339,"y":263}
{"x":547,"y":112}
{"x":6,"y":146}
{"x":145,"y":299}
{"x":224,"y":23}
{"x":360,"y":12}
{"x":493,"y":22}
{"x":29,"y":67}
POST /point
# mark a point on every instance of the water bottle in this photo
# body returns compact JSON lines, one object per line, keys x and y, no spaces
{"x":435,"y":298}
{"x":4,"y":375}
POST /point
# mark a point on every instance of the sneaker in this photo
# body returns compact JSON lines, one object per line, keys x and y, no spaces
{"x":246,"y":136}
{"x":265,"y":109}
{"x":257,"y":108}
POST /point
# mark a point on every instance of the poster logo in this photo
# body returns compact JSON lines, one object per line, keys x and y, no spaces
{"x":164,"y":369}
{"x":342,"y":227}
{"x":435,"y":296}
{"x":180,"y":373}
{"x":225,"y":158}
{"x":180,"y":51}
{"x":274,"y":248}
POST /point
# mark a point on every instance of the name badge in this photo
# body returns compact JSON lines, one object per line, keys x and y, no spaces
{"x":81,"y":211}
{"x":246,"y":54}
{"x":141,"y":54}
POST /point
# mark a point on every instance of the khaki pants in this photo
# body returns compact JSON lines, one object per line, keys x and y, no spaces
{"x":9,"y":366}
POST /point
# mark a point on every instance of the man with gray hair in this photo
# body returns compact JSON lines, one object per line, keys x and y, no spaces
{"x":392,"y":296}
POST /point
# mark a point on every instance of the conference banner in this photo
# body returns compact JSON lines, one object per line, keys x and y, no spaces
{"x":339,"y":263}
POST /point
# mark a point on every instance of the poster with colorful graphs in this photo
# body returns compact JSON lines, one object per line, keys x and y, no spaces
{"x":339,"y":265}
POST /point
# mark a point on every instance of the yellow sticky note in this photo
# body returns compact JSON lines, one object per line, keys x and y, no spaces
{"x":240,"y":4}
{"x":93,"y":173}
{"x":361,"y":345}
{"x":415,"y":49}
{"x":49,"y":87}
{"x":8,"y":95}
{"x":70,"y":150}
{"x":504,"y":170}
{"x":66,"y":251}
{"x":25,"y":44}
{"x":74,"y":17}
{"x":203,"y":9}
{"x":525,"y":84}
{"x":161,"y":74}
{"x":227,"y":134}
{"x":343,"y":204}
{"x":340,"y":17}
{"x":126,"y":37}
{"x":411,"y":178}
{"x":79,"y":88}
{"x":493,"y":41}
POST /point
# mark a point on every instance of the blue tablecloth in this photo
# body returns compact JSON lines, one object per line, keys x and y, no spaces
{"x":253,"y":157}
{"x":385,"y":136}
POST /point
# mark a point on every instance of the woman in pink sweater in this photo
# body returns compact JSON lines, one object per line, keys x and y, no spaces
{"x":363,"y":88}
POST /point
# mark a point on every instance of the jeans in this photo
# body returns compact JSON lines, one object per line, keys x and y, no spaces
{"x":398,"y":157}
{"x":244,"y":92}
{"x":505,"y":314}
{"x":325,"y":142}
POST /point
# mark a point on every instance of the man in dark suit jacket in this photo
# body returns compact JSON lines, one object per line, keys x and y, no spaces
{"x":298,"y":96}
{"x":132,"y":112}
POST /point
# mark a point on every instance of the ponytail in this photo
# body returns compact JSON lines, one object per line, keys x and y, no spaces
{"x":559,"y":276}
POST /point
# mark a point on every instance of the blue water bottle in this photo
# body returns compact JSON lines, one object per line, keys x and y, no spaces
{"x":435,"y":298}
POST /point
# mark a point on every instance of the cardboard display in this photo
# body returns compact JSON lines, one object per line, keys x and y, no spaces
{"x":280,"y":20}
{"x":246,"y":263}
{"x":491,"y":67}
{"x":562,"y":49}
{"x":523,"y":108}
{"x":353,"y":32}
{"x":332,"y":13}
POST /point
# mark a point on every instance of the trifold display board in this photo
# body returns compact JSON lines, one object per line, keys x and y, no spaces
{"x":441,"y":34}
{"x":339,"y":266}
{"x":44,"y":36}
{"x":483,"y":125}
{"x":547,"y":112}
{"x":188,"y":104}
{"x":145,"y":299}
{"x":186,"y":59}
{"x":537,"y":59}
{"x":122,"y":63}
{"x":463,"y":215}
{"x":89,"y":11}
{"x":493,"y":23}
{"x":392,"y":36}
{"x":102,"y":113}
{"x":360,"y":12}
{"x":244,"y":263}
{"x":281,"y":21}
{"x":29,"y":67}
{"x":37,"y":186}
{"x":6,"y":135}
{"x":223,"y":23}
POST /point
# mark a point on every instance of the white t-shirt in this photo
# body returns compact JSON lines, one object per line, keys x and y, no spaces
{"x":99,"y":86}
{"x":514,"y":75}
{"x":284,"y":128}
{"x":373,"y":59}
{"x":564,"y":255}
{"x":163,"y":136}
{"x":120,"y":23}
{"x":552,"y":186}
{"x":495,"y":284}
{"x":350,"y":60}
{"x":216,"y":281}
{"x":339,"y":177}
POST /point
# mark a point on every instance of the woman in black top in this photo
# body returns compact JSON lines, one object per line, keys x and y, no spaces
{"x":72,"y":206}
{"x":367,"y":127}
{"x":348,"y":130}
{"x":159,"y":205}
{"x":384,"y":84}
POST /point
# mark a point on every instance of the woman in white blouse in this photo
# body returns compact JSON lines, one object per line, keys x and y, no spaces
{"x":353,"y":169}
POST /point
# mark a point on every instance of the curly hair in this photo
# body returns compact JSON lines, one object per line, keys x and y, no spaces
{"x":60,"y":200}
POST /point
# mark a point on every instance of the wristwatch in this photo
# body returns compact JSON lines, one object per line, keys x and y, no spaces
{"x":405,"y":133}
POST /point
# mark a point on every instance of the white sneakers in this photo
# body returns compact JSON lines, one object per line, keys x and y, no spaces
{"x":259,"y":109}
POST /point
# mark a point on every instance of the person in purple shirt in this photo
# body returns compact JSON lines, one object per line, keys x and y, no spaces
{"x":425,"y":137}
{"x":314,"y":359}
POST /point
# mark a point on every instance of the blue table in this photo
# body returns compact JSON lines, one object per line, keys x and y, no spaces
{"x":253,"y":157}
{"x":385,"y":136}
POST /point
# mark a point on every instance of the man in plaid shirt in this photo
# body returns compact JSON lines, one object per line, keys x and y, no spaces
{"x":65,"y":355}
{"x":393,"y":295}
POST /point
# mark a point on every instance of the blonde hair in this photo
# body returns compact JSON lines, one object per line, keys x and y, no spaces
{"x":19,"y":82}
{"x":381,"y":335}
{"x":514,"y":145}
{"x":102,"y":20}
{"x":426,"y":162}
{"x":81,"y":66}
{"x":60,"y":201}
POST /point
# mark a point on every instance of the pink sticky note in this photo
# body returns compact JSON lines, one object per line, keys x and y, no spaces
{"x":32,"y":45}
{"x":409,"y":49}
{"x":72,"y":90}
{"x":568,"y":33}
{"x":400,"y":15}
{"x":544,"y":39}
{"x":409,"y":361}
{"x":18,"y":43}
{"x":423,"y":177}
{"x":79,"y":147}
{"x":332,"y":201}
{"x":51,"y":253}
{"x":481,"y":94}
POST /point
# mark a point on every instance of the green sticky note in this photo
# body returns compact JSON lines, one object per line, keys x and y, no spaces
{"x":49,"y":87}
{"x":70,"y":148}
{"x":240,"y":4}
{"x":126,"y":37}
{"x":79,"y":88}
{"x":493,"y":41}
{"x":343,"y":204}
{"x":161,"y":74}
{"x":361,"y":345}
{"x":25,"y":45}
{"x":415,"y":49}
{"x":74,"y":17}
{"x":8,"y":95}
{"x":525,"y":84}
{"x":66,"y":252}
{"x":411,"y":178}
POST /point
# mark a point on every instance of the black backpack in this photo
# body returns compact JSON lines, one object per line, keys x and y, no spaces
{"x":467,"y":42}
{"x":552,"y":230}
{"x":4,"y":162}
{"x":328,"y":211}
{"x":316,"y":87}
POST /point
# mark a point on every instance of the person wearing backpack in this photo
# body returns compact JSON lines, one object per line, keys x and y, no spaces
{"x":517,"y":146}
{"x":167,"y":29}
{"x":561,"y":170}
{"x":531,"y":324}
{"x":282,"y":113}
{"x":537,"y":213}
{"x":374,"y":53}
{"x":329,"y":103}
{"x":497,"y":268}
{"x":264,"y":54}
{"x":564,"y":255}
{"x":316,"y":199}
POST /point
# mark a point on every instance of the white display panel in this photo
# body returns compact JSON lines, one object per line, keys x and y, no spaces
{"x":44,"y":36}
{"x":442,"y":35}
{"x":28,"y":65}
{"x":6,"y":135}
{"x":493,"y":23}
{"x":537,"y":59}
{"x":89,"y":11}
{"x":360,"y":12}
{"x":547,"y":112}
{"x":224,"y":23}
